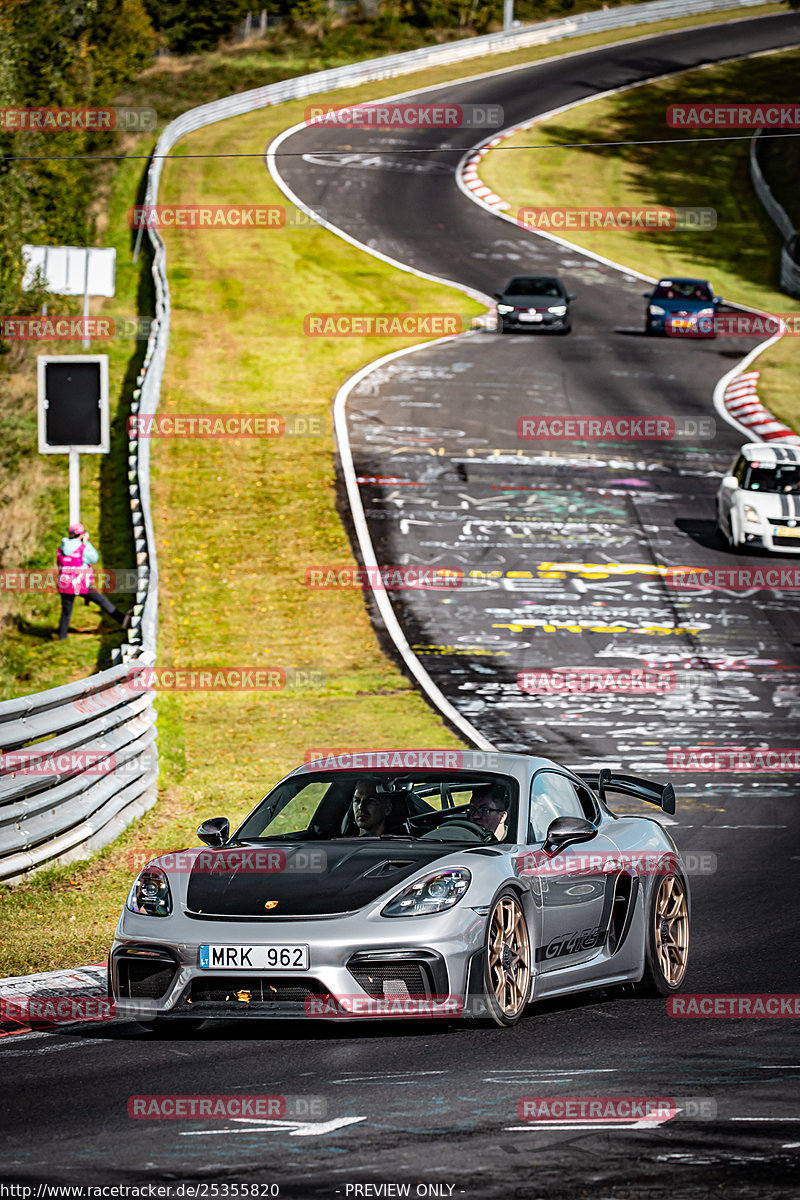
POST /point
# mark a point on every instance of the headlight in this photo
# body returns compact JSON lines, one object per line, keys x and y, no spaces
{"x":706,"y":312}
{"x":505,"y":308}
{"x":751,"y":515}
{"x":150,"y":895}
{"x":559,"y":310}
{"x":656,"y":310}
{"x":432,"y":894}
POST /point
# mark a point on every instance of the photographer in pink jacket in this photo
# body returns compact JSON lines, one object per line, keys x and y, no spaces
{"x":76,"y":578}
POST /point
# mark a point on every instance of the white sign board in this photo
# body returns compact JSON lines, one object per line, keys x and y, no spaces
{"x":71,"y":270}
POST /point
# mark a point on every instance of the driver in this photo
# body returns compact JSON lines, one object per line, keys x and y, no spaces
{"x":489,"y":810}
{"x":370,"y":810}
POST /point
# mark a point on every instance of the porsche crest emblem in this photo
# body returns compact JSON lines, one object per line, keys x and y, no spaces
{"x":271,"y":904}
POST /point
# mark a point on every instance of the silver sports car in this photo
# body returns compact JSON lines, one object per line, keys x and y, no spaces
{"x":408,"y":883}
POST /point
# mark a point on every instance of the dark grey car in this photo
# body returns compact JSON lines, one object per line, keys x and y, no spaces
{"x":531,"y":302}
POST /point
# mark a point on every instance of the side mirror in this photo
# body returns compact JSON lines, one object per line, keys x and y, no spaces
{"x":497,"y":295}
{"x":215,"y":831}
{"x":730,"y":483}
{"x":570,"y":295}
{"x":718,"y":299}
{"x":565,"y":830}
{"x":647,"y":295}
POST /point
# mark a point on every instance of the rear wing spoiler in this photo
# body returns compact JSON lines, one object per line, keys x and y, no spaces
{"x":631,"y":785}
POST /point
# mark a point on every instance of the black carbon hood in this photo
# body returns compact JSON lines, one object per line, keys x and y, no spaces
{"x":228,"y":882}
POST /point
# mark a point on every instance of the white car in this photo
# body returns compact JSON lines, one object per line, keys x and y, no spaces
{"x":758,"y":503}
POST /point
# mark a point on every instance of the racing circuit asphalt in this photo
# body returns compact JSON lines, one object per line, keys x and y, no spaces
{"x":438,"y":1103}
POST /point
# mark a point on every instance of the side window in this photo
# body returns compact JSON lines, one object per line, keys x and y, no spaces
{"x":553,"y":795}
{"x":739,"y":468}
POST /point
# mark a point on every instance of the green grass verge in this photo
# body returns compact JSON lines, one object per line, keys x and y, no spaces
{"x":740,"y":256}
{"x":236,"y":521}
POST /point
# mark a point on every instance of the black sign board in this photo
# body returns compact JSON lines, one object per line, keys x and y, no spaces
{"x":73,"y":403}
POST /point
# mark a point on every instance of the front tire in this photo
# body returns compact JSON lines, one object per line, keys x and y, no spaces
{"x":666,"y":952}
{"x":506,"y":960}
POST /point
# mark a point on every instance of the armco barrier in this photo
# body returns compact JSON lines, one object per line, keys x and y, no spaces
{"x":790,"y":263}
{"x":53,"y":819}
{"x":48,"y":810}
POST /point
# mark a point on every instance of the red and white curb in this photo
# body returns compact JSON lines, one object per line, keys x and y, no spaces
{"x":469,"y":170}
{"x":742,"y":403}
{"x":75,"y":983}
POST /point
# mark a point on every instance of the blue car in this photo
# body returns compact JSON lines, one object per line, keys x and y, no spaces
{"x":682,"y":307}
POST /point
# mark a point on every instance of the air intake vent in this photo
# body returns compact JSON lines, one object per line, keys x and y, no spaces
{"x":389,"y":867}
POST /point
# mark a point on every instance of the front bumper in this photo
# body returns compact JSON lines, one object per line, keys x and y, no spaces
{"x":769,"y":539}
{"x":356,"y":966}
{"x":684,"y":326}
{"x":516,"y":322}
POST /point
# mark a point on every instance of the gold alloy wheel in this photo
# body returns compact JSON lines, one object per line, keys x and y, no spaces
{"x":671,"y":917}
{"x":509,"y":957}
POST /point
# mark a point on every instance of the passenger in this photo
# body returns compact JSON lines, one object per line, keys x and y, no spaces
{"x":490,"y":810}
{"x":370,"y":810}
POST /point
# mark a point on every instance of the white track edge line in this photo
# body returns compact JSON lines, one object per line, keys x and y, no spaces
{"x":387,"y":612}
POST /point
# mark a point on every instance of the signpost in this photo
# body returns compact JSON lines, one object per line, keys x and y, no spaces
{"x":72,"y":271}
{"x":73,"y":412}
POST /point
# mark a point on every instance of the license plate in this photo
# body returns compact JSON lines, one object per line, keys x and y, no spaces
{"x":531,"y":317}
{"x":254,"y":958}
{"x":782,"y":531}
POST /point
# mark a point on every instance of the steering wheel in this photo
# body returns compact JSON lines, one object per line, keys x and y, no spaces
{"x":465,"y":823}
{"x":458,"y":822}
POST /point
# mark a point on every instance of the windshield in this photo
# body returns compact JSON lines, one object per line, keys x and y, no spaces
{"x":447,"y":806}
{"x":682,"y":289}
{"x":772,"y":479}
{"x":534,"y":287}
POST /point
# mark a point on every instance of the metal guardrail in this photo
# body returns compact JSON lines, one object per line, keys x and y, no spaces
{"x":790,"y":263}
{"x":60,"y":817}
{"x":80,"y":764}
